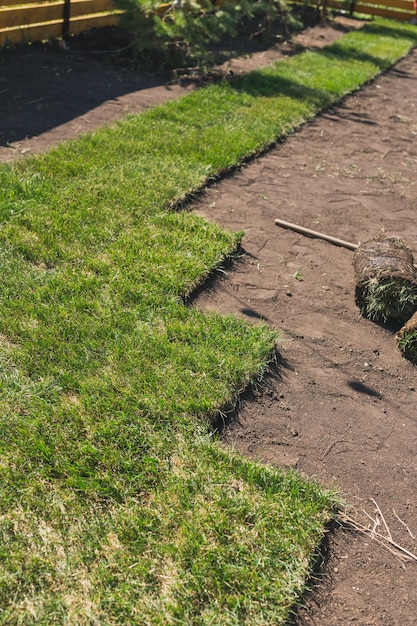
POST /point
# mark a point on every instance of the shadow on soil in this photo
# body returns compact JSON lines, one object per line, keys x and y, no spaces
{"x":211,"y":284}
{"x":43,"y":86}
{"x":321,"y":577}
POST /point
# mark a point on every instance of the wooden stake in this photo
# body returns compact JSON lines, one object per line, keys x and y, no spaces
{"x":312,"y":233}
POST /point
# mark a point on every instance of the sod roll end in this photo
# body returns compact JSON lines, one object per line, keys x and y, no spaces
{"x":385,"y":279}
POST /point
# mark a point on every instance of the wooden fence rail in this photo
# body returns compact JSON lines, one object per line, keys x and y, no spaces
{"x":34,"y":20}
{"x":394,"y":9}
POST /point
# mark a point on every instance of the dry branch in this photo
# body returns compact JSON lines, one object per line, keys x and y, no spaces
{"x":404,"y":524}
{"x":386,"y":541}
{"x":383,"y":520}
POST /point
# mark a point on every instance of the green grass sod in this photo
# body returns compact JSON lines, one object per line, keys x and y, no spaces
{"x":117,"y":506}
{"x":385,"y":300}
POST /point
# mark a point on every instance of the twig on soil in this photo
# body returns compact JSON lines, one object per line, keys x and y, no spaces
{"x":404,"y":524}
{"x":383,"y":520}
{"x":329,"y":447}
{"x":375,"y":522}
{"x":386,"y":541}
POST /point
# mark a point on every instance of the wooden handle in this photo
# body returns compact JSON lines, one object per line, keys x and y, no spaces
{"x":312,"y":233}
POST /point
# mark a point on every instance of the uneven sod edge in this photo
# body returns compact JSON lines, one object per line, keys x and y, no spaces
{"x":117,"y":505}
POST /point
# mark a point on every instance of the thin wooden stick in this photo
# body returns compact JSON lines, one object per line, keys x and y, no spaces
{"x":404,"y":524}
{"x":383,"y":520}
{"x":330,"y":446}
{"x":358,"y":526}
{"x":313,"y":233}
{"x":374,"y":521}
{"x":400,"y":557}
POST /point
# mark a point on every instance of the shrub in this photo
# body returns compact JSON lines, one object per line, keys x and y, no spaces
{"x":176,"y":33}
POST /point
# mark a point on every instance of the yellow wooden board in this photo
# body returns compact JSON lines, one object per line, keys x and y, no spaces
{"x":40,"y":32}
{"x":49,"y":12}
{"x":93,"y":21}
{"x":25,"y":34}
{"x":9,"y":3}
{"x":407,"y":5}
{"x":88,"y":7}
{"x":384,"y":12}
{"x":44,"y":20}
{"x":20,"y":16}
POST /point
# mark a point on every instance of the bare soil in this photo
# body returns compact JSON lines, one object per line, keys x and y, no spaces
{"x":340,"y":405}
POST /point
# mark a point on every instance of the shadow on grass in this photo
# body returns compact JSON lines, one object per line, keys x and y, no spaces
{"x":339,"y":52}
{"x":396,"y":31}
{"x":262,"y":85}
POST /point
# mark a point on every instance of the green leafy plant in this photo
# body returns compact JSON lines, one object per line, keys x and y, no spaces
{"x":275,"y":11}
{"x":179,"y":32}
{"x":297,"y":274}
{"x":176,"y":32}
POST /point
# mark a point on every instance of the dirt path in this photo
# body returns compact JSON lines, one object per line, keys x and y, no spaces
{"x":342,"y":405}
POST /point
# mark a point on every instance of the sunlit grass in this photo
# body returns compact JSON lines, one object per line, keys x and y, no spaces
{"x":387,"y":299}
{"x":117,"y":505}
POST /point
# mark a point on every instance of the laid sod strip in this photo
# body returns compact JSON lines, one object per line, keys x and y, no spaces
{"x":87,"y":192}
{"x":116,"y":505}
{"x":385,"y":279}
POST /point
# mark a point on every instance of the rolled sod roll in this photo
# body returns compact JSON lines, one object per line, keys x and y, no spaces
{"x":407,"y":339}
{"x":386,"y":279}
